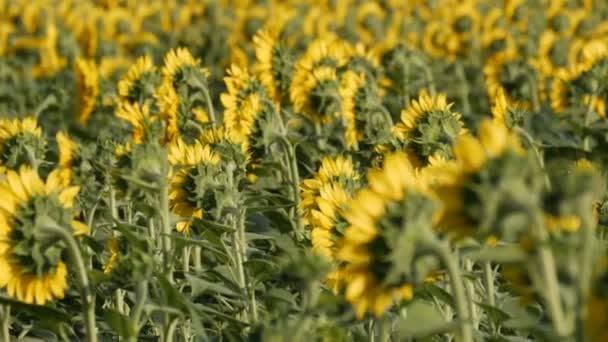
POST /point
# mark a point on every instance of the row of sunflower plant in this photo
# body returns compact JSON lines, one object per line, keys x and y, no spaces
{"x":303,"y":170}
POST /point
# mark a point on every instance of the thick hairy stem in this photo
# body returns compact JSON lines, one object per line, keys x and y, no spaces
{"x":210,"y":109}
{"x":166,"y":230}
{"x":6,"y":322}
{"x":442,"y":250}
{"x":295,"y":183}
{"x":88,"y":297}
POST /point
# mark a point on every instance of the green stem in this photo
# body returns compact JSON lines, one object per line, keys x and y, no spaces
{"x":238,"y":257}
{"x":170,"y":330}
{"x":186,"y":259}
{"x":166,"y":230}
{"x":141,"y":294}
{"x":295,"y":183}
{"x":471,"y":295}
{"x":371,"y":331}
{"x":196,"y":255}
{"x":6,"y":322}
{"x":550,"y":286}
{"x":88,"y":297}
{"x":464,"y":89}
{"x":585,"y":276}
{"x":210,"y":109}
{"x":488,"y":278}
{"x":442,"y":250}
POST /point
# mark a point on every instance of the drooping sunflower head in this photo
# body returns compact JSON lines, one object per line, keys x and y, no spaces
{"x":139,"y":81}
{"x":143,"y":124}
{"x":21,"y":143}
{"x":183,"y":96}
{"x":87,"y":83}
{"x":32,"y":260}
{"x":230,"y":148}
{"x":382,"y":218}
{"x":492,"y":189}
{"x":189,"y":188}
{"x":504,"y":112}
{"x":318,"y":95}
{"x":516,"y":77}
{"x":430,"y":128}
{"x":464,"y":20}
{"x":273,"y":63}
{"x":324,"y":195}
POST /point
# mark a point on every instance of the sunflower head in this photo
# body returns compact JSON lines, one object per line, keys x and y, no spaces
{"x":144,"y":126}
{"x":139,"y":81}
{"x":378,"y":251}
{"x":492,"y":188}
{"x":182,"y":96}
{"x":87,"y":82}
{"x":324,"y":196}
{"x":515,"y":76}
{"x":32,"y":259}
{"x":429,"y":127}
{"x":21,"y":143}
{"x":273,"y":64}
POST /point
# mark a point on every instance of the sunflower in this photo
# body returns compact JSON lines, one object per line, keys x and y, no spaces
{"x":430,"y":128}
{"x":113,"y":246}
{"x":323,"y":197}
{"x":138,"y":116}
{"x":350,"y":87}
{"x":272,"y":64}
{"x":318,"y":96}
{"x":515,"y":77}
{"x":21,"y":143}
{"x":242,"y":102}
{"x":314,"y":86}
{"x":395,"y":201}
{"x":33,"y":269}
{"x":67,"y":148}
{"x":131,"y":83}
{"x":487,"y":179}
{"x":181,"y":121}
{"x":370,"y":18}
{"x":87,"y":80}
{"x":192,"y":160}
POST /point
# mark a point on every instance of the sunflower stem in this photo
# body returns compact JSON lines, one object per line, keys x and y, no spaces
{"x":442,"y":250}
{"x":6,"y":322}
{"x":88,"y":296}
{"x":464,"y":89}
{"x":196,"y":256}
{"x":166,"y":229}
{"x":488,"y":278}
{"x":294,"y":176}
{"x":550,"y":286}
{"x":210,"y":109}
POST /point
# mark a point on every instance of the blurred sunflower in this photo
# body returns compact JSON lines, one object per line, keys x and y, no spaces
{"x":490,"y":179}
{"x":87,"y":80}
{"x":21,"y":143}
{"x":131,"y":86}
{"x":395,"y":202}
{"x":323,"y":198}
{"x":190,"y":161}
{"x":139,"y":117}
{"x":430,"y":128}
{"x":182,"y":116}
{"x":32,"y":265}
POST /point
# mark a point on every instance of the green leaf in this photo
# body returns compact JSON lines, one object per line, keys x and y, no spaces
{"x":200,"y":286}
{"x":495,"y":314}
{"x":45,"y":312}
{"x":119,"y":323}
{"x":422,"y":320}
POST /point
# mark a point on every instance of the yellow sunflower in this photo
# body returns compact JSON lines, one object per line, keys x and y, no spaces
{"x":351,"y":84}
{"x":28,"y":279}
{"x":187,"y":158}
{"x":372,"y":215}
{"x":15,"y":132}
{"x":318,"y":68}
{"x":471,"y":154}
{"x":430,"y":128}
{"x":142,"y":65}
{"x":322,"y":198}
{"x":242,"y":102}
{"x":167,"y":97}
{"x":138,"y":116}
{"x":67,"y":148}
{"x":87,"y":80}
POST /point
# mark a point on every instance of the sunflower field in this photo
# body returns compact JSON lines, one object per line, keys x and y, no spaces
{"x":303,"y":170}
